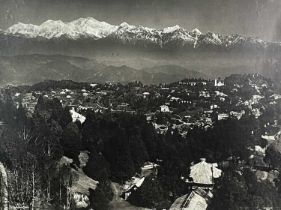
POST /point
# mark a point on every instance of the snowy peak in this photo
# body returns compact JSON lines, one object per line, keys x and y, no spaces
{"x":196,"y":32}
{"x":171,"y":29}
{"x":92,"y":27}
{"x":127,"y":33}
{"x":125,"y":25}
{"x":83,"y":27}
{"x":24,"y":29}
{"x":211,"y":39}
{"x":174,"y":36}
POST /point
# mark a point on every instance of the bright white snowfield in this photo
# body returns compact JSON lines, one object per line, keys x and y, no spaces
{"x":82,"y":27}
{"x":171,"y":29}
{"x":94,"y":29}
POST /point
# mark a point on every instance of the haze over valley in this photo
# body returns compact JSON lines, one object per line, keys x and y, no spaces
{"x":126,"y":47}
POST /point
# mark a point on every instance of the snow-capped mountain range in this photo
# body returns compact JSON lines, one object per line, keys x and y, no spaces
{"x":83,"y":27}
{"x":93,"y":29}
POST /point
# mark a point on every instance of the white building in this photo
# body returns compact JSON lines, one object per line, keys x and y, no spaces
{"x":204,"y":173}
{"x":271,"y":136}
{"x":223,"y":116}
{"x":219,"y":83}
{"x":199,"y":198}
{"x":76,"y":116}
{"x":93,"y":85}
{"x":214,"y":106}
{"x":164,"y":108}
{"x":145,"y":94}
{"x":196,"y":200}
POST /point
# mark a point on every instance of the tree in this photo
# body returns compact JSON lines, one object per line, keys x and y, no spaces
{"x":230,"y":192}
{"x":273,"y":154}
{"x":65,"y":118}
{"x":101,"y":196}
{"x":71,"y":140}
{"x":150,"y":195}
{"x":97,"y":167}
{"x":117,"y":152}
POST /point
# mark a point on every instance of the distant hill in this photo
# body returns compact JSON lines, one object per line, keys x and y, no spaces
{"x":29,"y":69}
{"x":140,"y":47}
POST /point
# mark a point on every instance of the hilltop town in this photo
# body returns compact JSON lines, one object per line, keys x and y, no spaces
{"x":130,"y":146}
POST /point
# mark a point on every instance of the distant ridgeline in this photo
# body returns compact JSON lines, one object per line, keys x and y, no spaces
{"x":30,"y":69}
{"x":90,"y":50}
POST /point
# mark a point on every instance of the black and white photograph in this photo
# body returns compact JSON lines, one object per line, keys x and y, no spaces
{"x":140,"y":104}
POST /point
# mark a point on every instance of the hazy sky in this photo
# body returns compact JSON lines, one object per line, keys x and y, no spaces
{"x":260,"y":18}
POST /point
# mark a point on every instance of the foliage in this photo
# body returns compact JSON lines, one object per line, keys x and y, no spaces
{"x":150,"y":195}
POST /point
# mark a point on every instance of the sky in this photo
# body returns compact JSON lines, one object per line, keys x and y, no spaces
{"x":258,"y":18}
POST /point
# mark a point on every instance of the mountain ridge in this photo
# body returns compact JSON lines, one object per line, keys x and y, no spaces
{"x":93,"y":29}
{"x":29,"y":69}
{"x":141,"y":47}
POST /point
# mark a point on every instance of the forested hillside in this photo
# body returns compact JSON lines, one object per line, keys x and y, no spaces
{"x":55,"y":161}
